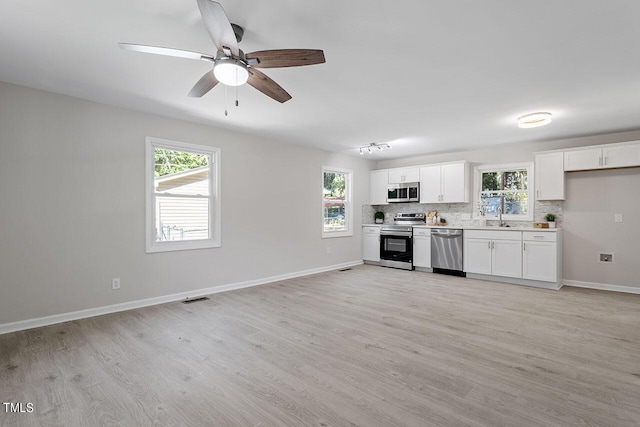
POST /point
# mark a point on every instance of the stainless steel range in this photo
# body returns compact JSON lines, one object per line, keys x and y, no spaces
{"x":396,"y":241}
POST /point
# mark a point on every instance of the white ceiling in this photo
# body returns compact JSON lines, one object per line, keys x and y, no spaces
{"x":428,"y":76}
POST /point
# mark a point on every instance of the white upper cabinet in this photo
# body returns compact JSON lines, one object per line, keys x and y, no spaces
{"x":455,"y":179}
{"x":549,"y":176}
{"x":447,"y":183}
{"x":378,"y":184}
{"x":603,"y":157}
{"x":579,"y":160}
{"x":398,"y":176}
{"x":430,"y":189}
{"x":621,"y":156}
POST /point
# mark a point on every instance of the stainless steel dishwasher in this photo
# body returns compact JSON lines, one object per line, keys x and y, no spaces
{"x":446,"y":251}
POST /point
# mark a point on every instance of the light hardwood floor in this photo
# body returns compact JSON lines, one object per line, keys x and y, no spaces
{"x":370,"y":346}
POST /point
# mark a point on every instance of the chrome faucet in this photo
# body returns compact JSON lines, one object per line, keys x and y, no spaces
{"x":501,"y":223}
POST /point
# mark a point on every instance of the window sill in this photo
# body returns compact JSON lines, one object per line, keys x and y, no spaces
{"x":337,"y":234}
{"x":181,"y":246}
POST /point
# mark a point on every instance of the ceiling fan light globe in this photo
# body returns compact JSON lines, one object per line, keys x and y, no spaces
{"x":231,"y":72}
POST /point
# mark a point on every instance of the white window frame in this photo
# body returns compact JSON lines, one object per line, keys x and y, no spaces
{"x":348,"y":203}
{"x":477,"y":188}
{"x":214,"y":241}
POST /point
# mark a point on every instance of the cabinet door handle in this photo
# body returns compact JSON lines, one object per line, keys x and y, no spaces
{"x":493,"y":245}
{"x":600,"y":161}
{"x":605,"y":160}
{"x":537,"y":194}
{"x":524,"y":246}
{"x":489,"y":244}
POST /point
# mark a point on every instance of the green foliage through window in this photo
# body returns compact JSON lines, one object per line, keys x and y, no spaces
{"x":168,"y":162}
{"x":334,"y":184}
{"x":505,"y":189}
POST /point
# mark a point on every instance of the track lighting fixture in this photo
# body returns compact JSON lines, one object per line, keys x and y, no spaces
{"x":378,"y":145}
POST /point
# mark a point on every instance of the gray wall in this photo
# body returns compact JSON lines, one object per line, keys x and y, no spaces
{"x":72,"y":207}
{"x":593,"y":198}
{"x":587,"y":214}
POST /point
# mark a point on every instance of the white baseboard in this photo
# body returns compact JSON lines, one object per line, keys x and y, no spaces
{"x":515,"y":281}
{"x":98,"y":311}
{"x":602,"y":286}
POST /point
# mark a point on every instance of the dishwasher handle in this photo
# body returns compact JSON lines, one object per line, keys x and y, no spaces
{"x":446,"y":233}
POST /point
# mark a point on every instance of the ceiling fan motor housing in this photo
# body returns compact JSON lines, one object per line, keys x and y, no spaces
{"x":238,"y":31}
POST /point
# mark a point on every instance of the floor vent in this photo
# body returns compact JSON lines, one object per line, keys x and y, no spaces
{"x":189,"y":301}
{"x":345,"y":269}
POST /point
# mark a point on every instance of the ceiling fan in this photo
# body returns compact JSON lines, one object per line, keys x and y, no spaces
{"x":231,"y":66}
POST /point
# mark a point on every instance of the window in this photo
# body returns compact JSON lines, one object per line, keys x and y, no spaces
{"x":337,"y":217}
{"x":183,"y":196}
{"x":505,"y":187}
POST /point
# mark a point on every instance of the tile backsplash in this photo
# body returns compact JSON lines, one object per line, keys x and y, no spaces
{"x":454,"y":212}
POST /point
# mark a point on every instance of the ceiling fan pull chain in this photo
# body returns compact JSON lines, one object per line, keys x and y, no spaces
{"x":226,"y":113}
{"x":236,"y":87}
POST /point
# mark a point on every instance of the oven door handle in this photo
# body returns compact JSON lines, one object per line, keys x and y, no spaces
{"x":397,"y":234}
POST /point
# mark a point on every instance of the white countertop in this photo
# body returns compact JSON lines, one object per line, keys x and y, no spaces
{"x":477,"y":227}
{"x":491,"y":227}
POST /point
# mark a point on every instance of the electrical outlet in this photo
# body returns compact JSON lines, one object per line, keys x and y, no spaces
{"x":115,"y":283}
{"x":605,"y":257}
{"x":617,"y":217}
{"x":465,"y":216}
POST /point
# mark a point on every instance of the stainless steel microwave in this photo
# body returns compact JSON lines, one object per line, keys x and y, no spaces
{"x":405,"y":192}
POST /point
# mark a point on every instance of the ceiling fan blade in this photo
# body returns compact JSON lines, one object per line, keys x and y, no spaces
{"x":218,"y":26}
{"x":264,"y":84}
{"x":165,"y":51}
{"x":285,"y":58}
{"x":204,"y":85}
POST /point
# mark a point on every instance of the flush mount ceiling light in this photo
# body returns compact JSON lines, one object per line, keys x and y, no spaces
{"x":534,"y":120}
{"x":378,"y":145}
{"x":231,"y":71}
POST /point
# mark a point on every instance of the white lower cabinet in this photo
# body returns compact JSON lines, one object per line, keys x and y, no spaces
{"x":422,"y":247}
{"x":522,"y":257}
{"x":371,"y":243}
{"x":497,"y":253}
{"x":477,"y":255}
{"x":539,"y":256}
{"x":507,"y":258}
